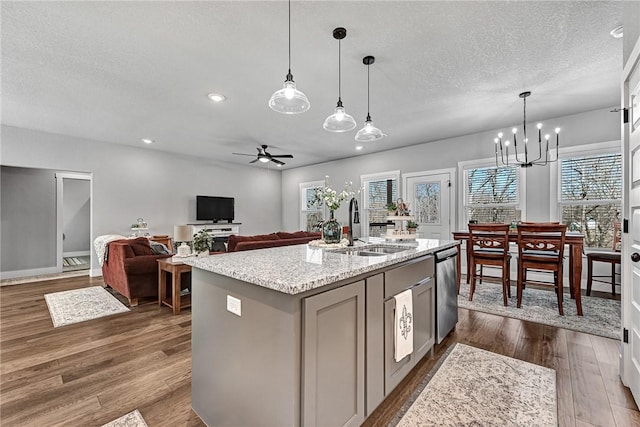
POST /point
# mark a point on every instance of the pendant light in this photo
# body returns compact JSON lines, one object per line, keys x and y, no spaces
{"x":339,"y":121}
{"x":369,"y":132}
{"x":289,"y":100}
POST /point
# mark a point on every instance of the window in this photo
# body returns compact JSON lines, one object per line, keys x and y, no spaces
{"x":492,"y":194}
{"x":379,"y":189}
{"x":311,"y":214}
{"x":590,"y":194}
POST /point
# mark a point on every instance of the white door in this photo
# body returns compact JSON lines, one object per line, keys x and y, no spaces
{"x":631,"y":249}
{"x":429,"y":198}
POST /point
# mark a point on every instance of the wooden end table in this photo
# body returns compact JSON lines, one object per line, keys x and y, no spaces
{"x":176,"y":268}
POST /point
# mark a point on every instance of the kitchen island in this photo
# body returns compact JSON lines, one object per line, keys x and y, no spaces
{"x":300,"y":335}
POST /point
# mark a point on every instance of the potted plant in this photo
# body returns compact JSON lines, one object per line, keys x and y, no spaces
{"x":412,"y":226}
{"x":201,"y":243}
{"x":391,"y":208}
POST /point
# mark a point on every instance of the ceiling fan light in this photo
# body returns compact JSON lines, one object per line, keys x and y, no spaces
{"x":369,"y":133}
{"x":263,"y":159}
{"x":289,"y":100}
{"x":339,"y":121}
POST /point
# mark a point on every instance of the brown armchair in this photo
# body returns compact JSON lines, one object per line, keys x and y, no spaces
{"x":131,"y":268}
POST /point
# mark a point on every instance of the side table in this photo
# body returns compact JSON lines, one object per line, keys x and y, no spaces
{"x":176,"y":268}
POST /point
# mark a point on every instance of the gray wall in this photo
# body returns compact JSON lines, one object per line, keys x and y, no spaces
{"x":585,"y":128}
{"x":28,"y":212}
{"x":131,"y":182}
{"x":76,"y":216}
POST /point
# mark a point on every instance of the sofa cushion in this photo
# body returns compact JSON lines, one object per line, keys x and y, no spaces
{"x":140,"y":246}
{"x":234,"y":239}
{"x":294,"y":235}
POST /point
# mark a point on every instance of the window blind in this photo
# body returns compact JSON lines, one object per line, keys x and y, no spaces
{"x":492,"y":194}
{"x":590,"y":196}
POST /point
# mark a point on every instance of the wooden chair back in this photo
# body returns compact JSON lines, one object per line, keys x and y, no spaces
{"x":543,"y":242}
{"x":617,"y":237}
{"x":487,"y":239}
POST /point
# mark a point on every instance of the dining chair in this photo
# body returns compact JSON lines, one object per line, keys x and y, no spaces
{"x":612,"y":257}
{"x":541,"y":247}
{"x":489,"y":245}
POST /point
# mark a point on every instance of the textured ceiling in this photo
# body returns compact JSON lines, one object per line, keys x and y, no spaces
{"x":121,"y":71}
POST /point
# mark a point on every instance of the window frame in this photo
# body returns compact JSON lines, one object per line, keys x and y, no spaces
{"x":364,"y":179}
{"x":464,"y":167}
{"x":555,"y":171}
{"x":303,"y":207}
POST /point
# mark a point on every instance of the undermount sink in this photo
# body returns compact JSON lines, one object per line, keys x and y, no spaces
{"x":377,"y":250}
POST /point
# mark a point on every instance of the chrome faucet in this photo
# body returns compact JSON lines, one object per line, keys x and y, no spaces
{"x":354,"y":218}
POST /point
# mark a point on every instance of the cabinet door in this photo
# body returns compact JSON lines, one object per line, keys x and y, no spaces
{"x":423,"y":334}
{"x":424,"y":318}
{"x":333,"y":357}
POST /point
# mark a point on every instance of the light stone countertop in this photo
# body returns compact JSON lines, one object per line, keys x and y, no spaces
{"x":300,"y":268}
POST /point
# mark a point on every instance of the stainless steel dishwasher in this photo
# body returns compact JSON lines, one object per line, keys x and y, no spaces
{"x":446,"y":292}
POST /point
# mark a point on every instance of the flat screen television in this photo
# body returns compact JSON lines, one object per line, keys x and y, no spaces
{"x":210,"y":208}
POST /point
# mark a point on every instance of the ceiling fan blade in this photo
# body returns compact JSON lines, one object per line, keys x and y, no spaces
{"x":277,"y":162}
{"x":283,"y":156}
{"x":242,"y":154}
{"x":253,"y":161}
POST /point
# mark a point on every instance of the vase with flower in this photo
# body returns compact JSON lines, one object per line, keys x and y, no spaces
{"x":331,"y":229}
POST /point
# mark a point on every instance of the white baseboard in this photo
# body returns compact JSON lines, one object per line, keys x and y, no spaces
{"x":76,"y":253}
{"x":95,"y":272}
{"x":30,"y":272}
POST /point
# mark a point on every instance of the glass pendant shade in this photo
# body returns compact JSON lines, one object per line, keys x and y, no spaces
{"x":339,"y":121}
{"x":369,"y":132}
{"x":289,"y":100}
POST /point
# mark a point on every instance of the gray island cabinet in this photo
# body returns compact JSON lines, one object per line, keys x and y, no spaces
{"x":300,"y":336}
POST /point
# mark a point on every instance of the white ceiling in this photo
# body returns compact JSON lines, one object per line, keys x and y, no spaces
{"x":121,"y":71}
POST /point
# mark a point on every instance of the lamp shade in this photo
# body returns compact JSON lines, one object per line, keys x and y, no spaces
{"x":369,"y":133}
{"x":182,"y":233}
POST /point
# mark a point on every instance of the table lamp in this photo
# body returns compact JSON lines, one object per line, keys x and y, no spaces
{"x":184,"y":234}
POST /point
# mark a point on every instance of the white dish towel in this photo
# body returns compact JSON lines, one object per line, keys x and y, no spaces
{"x":403,"y":325}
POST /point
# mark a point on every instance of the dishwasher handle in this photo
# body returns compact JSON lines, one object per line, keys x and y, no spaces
{"x":446,"y":254}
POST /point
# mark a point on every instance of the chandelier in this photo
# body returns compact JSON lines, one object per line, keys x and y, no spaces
{"x":524,"y":155}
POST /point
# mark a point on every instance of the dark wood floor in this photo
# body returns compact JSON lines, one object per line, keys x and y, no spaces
{"x":93,"y":372}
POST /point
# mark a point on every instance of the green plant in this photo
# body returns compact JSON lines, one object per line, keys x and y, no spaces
{"x":201,"y":241}
{"x":391,"y":206}
{"x":412,"y":224}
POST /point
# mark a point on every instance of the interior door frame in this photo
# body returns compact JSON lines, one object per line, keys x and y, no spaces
{"x":60,"y":177}
{"x":453,"y":199}
{"x":633,"y":64}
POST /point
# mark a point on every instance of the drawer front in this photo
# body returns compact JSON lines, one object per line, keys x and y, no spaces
{"x":401,"y":278}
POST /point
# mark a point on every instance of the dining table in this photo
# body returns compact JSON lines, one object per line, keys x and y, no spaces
{"x":574,"y":240}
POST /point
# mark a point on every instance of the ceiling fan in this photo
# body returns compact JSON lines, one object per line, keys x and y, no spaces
{"x":265,"y":157}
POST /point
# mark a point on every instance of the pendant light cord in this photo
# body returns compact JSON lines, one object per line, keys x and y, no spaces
{"x":524,"y":119}
{"x":339,"y":70}
{"x":289,"y":36}
{"x":368,"y":117}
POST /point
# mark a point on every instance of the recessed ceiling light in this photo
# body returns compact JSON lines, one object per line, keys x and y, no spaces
{"x":358,"y":147}
{"x":616,"y":32}
{"x":216,"y":97}
{"x":147,"y":140}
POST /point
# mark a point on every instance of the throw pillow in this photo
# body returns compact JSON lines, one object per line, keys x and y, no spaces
{"x":158,"y":248}
{"x":141,"y":246}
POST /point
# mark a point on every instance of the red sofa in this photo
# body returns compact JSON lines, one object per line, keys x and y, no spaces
{"x":261,"y":241}
{"x":131,"y":268}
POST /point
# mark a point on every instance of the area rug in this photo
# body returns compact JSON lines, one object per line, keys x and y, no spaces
{"x":600,"y":316}
{"x":83,"y":304}
{"x":474,"y":387}
{"x":132,"y":419}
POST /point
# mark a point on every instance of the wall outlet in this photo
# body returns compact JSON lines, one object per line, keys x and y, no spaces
{"x":234,"y":305}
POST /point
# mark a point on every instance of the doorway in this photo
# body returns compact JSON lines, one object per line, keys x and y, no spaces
{"x":429,"y":194}
{"x":73,"y":203}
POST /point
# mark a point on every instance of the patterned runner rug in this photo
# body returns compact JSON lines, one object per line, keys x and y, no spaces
{"x":83,"y":304}
{"x":132,"y":419}
{"x":600,"y":316}
{"x":474,"y":387}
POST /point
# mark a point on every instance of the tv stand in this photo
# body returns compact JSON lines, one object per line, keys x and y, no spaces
{"x":218,"y":229}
